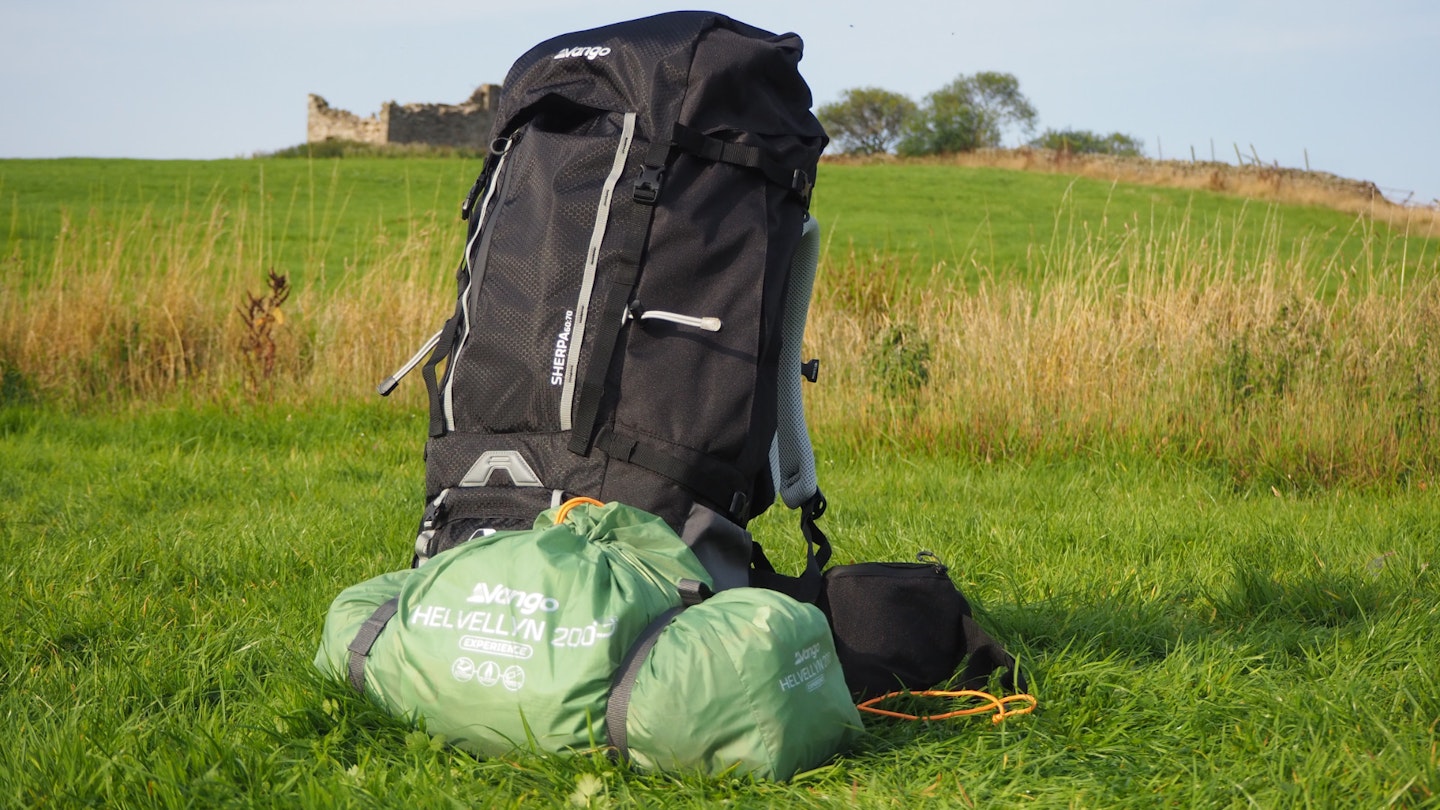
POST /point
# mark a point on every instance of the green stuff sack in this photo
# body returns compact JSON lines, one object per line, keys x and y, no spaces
{"x":747,"y":680}
{"x":511,"y":641}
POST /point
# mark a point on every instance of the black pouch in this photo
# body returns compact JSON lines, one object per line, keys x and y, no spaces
{"x":906,"y":626}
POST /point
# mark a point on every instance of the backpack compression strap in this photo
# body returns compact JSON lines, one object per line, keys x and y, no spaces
{"x":365,"y":639}
{"x":617,"y":295}
{"x":617,"y":706}
{"x":750,"y":157}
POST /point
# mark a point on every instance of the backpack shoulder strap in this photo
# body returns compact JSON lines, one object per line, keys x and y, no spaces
{"x":792,"y":459}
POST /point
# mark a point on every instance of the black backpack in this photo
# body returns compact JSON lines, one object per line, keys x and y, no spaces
{"x":637,"y":272}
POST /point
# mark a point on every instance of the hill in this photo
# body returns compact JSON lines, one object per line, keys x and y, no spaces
{"x":1254,"y":181}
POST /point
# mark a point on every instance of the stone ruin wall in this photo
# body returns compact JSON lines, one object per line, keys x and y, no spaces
{"x":465,"y":125}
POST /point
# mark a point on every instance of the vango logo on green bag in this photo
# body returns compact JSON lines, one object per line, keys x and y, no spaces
{"x":524,"y":601}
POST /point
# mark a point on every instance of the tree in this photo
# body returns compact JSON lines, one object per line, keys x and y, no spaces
{"x":1085,"y":142}
{"x":969,"y":113}
{"x":866,"y":120}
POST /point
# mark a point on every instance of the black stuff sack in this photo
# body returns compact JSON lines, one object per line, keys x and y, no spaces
{"x":905,"y":626}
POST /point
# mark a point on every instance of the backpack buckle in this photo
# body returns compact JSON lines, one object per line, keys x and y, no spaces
{"x":647,"y":187}
{"x":800,"y":184}
{"x":810,"y":370}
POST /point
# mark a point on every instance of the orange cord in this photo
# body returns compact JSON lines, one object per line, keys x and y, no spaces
{"x":571,"y":504}
{"x":995,"y":704}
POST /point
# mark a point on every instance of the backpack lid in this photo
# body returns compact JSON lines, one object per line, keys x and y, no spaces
{"x":699,"y":68}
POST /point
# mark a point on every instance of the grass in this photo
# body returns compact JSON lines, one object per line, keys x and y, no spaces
{"x":1289,"y":371}
{"x":1188,"y":643}
{"x":983,"y":223}
{"x":308,"y":219}
{"x":1180,"y":451}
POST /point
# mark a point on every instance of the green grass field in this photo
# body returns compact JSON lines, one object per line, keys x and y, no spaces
{"x":999,"y":222}
{"x":306,"y":218}
{"x":313,"y":218}
{"x":1192,"y":485}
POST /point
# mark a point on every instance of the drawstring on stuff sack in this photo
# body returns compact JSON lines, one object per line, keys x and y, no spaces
{"x":571,"y":504}
{"x":996,"y":704}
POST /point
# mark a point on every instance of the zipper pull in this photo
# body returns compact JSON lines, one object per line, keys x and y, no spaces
{"x":638,"y":313}
{"x":931,"y":559}
{"x":498,"y":148}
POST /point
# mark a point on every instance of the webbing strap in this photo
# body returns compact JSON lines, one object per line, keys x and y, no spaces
{"x":617,"y":708}
{"x":703,"y":146}
{"x":365,"y":639}
{"x":432,"y":385}
{"x":622,"y":685}
{"x":617,"y":297}
{"x":806,"y":586}
{"x":715,"y":481}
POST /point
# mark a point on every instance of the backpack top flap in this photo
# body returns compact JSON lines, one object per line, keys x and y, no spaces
{"x":700,"y":68}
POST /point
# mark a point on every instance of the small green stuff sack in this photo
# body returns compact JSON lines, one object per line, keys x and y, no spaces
{"x":749,"y":680}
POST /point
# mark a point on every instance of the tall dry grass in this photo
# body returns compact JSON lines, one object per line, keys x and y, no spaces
{"x":1282,"y":366}
{"x":143,"y":309}
{"x":1295,"y":372}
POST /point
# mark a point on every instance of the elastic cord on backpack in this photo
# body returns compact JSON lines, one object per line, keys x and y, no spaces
{"x":999,"y":705}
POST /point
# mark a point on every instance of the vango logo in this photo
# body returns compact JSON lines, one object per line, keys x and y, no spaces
{"x":526,"y":602}
{"x":587,"y":51}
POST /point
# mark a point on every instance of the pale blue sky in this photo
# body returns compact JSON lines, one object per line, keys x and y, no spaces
{"x":1356,"y":85}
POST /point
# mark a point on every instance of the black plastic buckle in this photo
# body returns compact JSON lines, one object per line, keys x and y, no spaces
{"x":801,"y":185}
{"x":738,"y":505}
{"x":647,"y":188}
{"x":469,"y":204}
{"x":810,"y":370}
{"x":815,"y":507}
{"x":431,"y":518}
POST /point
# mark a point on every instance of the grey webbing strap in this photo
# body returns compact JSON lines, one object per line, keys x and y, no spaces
{"x":365,"y":639}
{"x":617,"y":707}
{"x":615,"y":297}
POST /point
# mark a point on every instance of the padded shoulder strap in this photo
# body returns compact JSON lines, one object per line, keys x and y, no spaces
{"x":792,"y":459}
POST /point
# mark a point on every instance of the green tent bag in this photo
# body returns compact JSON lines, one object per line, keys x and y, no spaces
{"x":510,"y":641}
{"x":747,"y":680}
{"x":568,"y":636}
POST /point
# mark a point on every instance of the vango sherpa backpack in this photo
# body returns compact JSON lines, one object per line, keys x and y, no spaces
{"x":635,"y":282}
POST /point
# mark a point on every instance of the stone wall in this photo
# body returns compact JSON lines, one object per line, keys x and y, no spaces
{"x":465,"y":125}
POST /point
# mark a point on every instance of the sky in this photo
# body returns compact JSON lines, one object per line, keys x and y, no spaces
{"x":1347,"y":87}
